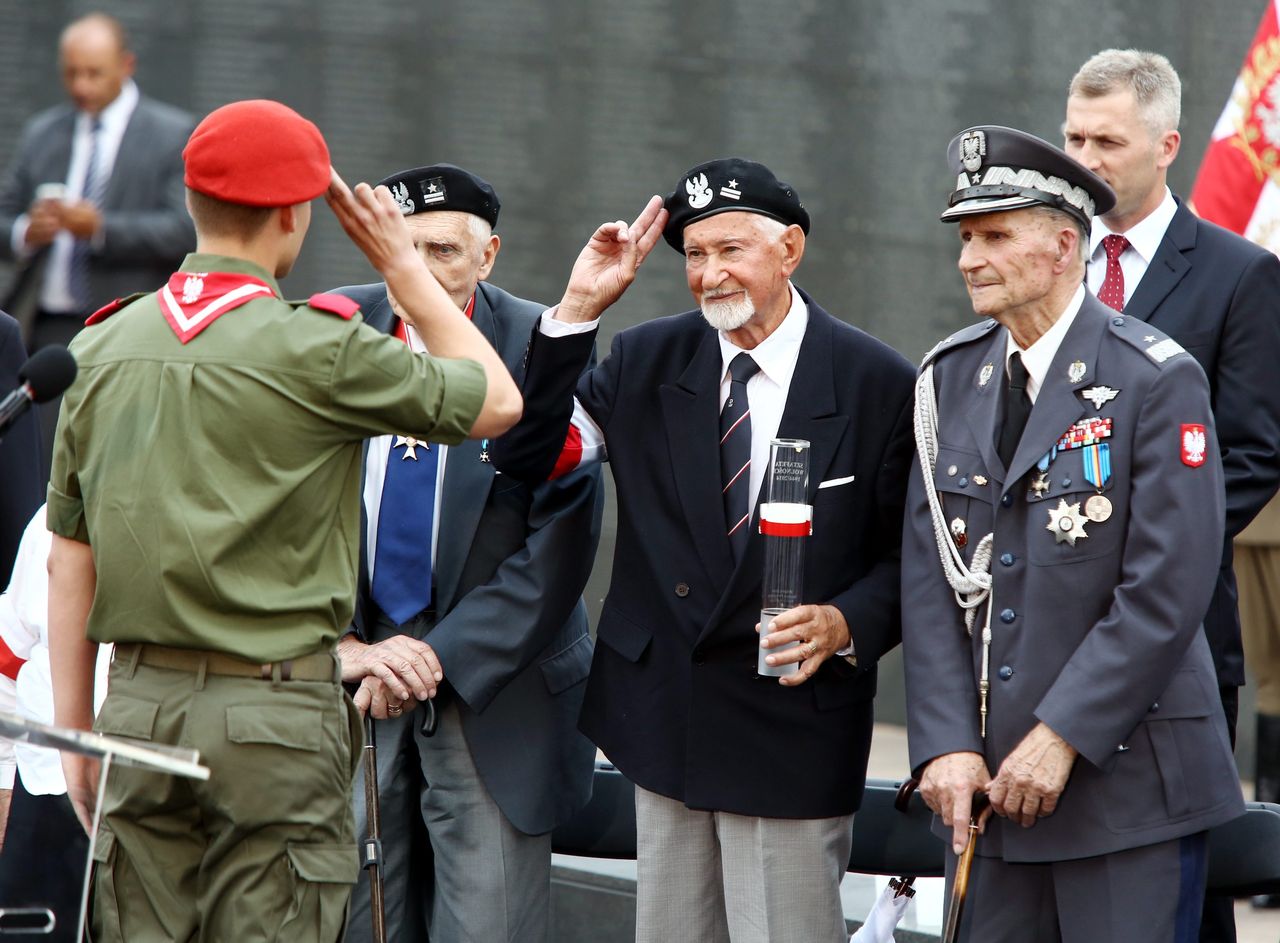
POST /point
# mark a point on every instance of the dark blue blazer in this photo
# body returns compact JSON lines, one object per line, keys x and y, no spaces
{"x":511,"y":563}
{"x":21,"y":488}
{"x":673,"y":698}
{"x":1218,"y":295}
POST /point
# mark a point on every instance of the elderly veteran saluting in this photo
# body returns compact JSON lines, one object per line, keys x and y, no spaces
{"x":746,"y":787}
{"x":204,"y":505}
{"x":1070,"y":484}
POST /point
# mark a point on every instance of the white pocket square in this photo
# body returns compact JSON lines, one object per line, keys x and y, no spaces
{"x":836,"y":482}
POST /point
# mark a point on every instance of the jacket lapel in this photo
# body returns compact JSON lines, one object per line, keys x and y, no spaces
{"x":467,"y":483}
{"x":1167,"y":268}
{"x":811,"y":414}
{"x":984,"y":416}
{"x":1057,"y":406}
{"x":691,"y":413}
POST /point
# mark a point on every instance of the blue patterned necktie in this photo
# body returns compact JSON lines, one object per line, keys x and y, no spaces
{"x":735,"y":452}
{"x":91,"y":192}
{"x":402,"y":558}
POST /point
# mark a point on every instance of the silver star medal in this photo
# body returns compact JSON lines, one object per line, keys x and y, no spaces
{"x":1067,"y":523}
{"x":410,"y":444}
{"x":1099,"y":395}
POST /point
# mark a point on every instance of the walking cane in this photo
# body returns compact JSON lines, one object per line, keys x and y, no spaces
{"x":960,"y":886}
{"x":373,"y":840}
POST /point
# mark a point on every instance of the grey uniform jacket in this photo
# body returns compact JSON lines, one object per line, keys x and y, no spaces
{"x":146,"y":229}
{"x":511,"y":563}
{"x":1102,"y":640}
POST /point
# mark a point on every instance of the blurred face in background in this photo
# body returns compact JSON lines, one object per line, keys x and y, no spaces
{"x":94,"y":64}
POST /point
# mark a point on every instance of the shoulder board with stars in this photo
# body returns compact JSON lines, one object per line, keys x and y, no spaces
{"x":109,"y":309}
{"x":1153,"y":342}
{"x":971,"y":333}
{"x":340,"y":305}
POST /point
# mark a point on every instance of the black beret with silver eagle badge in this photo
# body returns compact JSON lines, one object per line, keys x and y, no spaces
{"x":726,"y":185}
{"x":443,"y":187}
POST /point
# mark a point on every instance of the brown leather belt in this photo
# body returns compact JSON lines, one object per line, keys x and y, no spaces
{"x":316,"y":666}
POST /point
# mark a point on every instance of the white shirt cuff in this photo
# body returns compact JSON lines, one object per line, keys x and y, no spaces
{"x":553,"y":328}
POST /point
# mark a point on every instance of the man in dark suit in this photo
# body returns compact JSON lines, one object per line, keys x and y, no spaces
{"x":1214,"y":292}
{"x":746,"y":785}
{"x":91,"y":205}
{"x":478,"y":577}
{"x":1062,"y":540}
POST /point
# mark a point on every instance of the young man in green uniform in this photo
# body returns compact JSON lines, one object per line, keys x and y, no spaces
{"x":204,"y":504}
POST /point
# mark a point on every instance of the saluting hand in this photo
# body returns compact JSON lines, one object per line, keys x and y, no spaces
{"x":374,"y":223}
{"x":608,"y":263}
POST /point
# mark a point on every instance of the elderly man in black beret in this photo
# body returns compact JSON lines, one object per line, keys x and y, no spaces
{"x":746,"y":785}
{"x":1064,"y":530}
{"x":473,"y":581}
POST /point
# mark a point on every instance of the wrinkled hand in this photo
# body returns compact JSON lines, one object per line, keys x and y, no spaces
{"x":608,"y":263}
{"x":81,"y":773}
{"x":374,"y":697}
{"x":1032,"y":777}
{"x":373,"y":222}
{"x":81,"y":218}
{"x":948,"y":784}
{"x":44,"y":221}
{"x":409,"y":668}
{"x":821,"y":632}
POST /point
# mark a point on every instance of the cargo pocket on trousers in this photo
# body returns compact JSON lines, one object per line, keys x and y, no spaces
{"x":104,"y":903}
{"x":321,"y":876}
{"x":297,"y":728}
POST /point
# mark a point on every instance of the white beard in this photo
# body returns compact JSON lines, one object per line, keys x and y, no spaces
{"x":728,"y":315}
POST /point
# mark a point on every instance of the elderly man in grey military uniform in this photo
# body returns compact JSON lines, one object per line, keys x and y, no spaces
{"x":1062,"y":537}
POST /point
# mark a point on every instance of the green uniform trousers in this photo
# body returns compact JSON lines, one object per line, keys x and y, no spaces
{"x":265,"y":850}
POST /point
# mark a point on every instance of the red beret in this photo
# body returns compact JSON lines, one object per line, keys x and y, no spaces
{"x":257,"y":153}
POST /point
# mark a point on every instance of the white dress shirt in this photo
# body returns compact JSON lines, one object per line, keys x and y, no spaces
{"x":24,"y":625}
{"x":1144,"y":240}
{"x":375,"y":473}
{"x":766,"y":391}
{"x":1039,"y":356}
{"x":55,"y":295}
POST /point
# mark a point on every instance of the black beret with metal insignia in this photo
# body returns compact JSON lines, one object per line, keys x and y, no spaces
{"x":443,"y":187}
{"x":727,"y":185}
{"x":1005,"y":169}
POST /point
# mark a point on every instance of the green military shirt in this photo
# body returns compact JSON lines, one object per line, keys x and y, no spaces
{"x":218,"y":481}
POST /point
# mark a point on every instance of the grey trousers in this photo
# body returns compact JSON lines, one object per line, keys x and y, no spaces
{"x":715,"y":877}
{"x":489,"y":882}
{"x":1151,"y":894}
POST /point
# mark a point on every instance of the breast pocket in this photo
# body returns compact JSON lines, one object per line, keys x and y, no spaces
{"x":968,"y":496}
{"x":1071,"y":520}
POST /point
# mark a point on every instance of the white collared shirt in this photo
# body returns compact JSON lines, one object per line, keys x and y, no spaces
{"x":375,"y":473}
{"x":1039,"y":356}
{"x":1144,"y":239}
{"x":766,"y":391}
{"x":24,"y":626}
{"x":56,"y":295}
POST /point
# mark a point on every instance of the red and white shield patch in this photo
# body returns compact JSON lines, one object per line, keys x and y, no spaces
{"x":1194,"y":444}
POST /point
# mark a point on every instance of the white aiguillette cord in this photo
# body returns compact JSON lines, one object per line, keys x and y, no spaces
{"x":970,"y":583}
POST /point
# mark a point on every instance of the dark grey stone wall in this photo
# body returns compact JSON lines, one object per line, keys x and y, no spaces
{"x":577,"y":110}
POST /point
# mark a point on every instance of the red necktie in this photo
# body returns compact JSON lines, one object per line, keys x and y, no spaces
{"x":1112,"y":291}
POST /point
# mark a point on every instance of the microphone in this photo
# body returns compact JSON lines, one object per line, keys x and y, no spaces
{"x":45,"y":376}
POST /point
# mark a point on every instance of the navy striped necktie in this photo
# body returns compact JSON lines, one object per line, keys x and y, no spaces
{"x":735,"y":452}
{"x":92,"y":193}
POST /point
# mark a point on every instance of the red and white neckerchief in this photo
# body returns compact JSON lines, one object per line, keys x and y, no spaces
{"x":191,"y":301}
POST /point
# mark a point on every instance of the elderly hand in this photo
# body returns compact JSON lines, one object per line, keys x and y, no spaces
{"x":409,"y":668}
{"x":1032,"y":777}
{"x":821,"y":632}
{"x":948,"y":784}
{"x":609,"y":262}
{"x":376,"y":698}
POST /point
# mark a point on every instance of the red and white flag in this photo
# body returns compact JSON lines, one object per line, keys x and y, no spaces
{"x":1238,"y":185}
